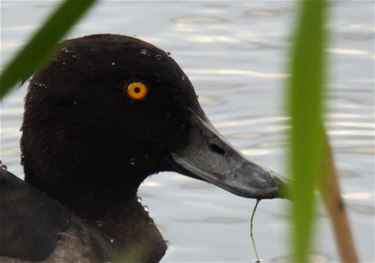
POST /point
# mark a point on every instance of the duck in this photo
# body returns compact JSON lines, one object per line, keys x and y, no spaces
{"x":106,"y":112}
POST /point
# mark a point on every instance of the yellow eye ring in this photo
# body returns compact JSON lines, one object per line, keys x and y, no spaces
{"x":137,"y":90}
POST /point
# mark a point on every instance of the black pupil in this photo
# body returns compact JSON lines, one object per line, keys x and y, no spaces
{"x":137,"y":90}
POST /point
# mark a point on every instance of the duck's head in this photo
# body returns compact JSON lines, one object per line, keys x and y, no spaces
{"x":110,"y":110}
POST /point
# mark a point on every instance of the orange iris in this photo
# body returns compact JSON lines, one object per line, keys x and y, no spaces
{"x":137,"y":90}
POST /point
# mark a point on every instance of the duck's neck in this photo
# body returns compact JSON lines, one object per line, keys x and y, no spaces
{"x":132,"y":232}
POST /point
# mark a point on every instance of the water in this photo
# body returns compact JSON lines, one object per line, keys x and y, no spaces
{"x":234,"y":53}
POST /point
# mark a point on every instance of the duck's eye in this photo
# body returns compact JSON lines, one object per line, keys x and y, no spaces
{"x":137,"y":90}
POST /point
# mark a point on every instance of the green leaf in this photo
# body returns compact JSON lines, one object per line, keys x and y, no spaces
{"x":43,"y":43}
{"x":305,"y":99}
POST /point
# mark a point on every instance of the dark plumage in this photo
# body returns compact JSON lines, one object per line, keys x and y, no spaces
{"x":87,"y":146}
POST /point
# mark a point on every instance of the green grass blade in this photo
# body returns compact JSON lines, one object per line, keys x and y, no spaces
{"x":305,"y":97}
{"x":43,"y":43}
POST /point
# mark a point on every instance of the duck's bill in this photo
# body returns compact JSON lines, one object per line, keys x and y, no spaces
{"x":210,"y":158}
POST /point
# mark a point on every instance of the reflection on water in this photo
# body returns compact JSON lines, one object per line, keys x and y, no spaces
{"x":234,"y":53}
{"x":198,"y":20}
{"x":358,"y":196}
{"x":363,"y":209}
{"x":352,"y":52}
{"x":316,"y":258}
{"x":231,"y":72}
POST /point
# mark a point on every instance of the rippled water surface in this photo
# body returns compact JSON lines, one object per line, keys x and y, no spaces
{"x":234,"y":52}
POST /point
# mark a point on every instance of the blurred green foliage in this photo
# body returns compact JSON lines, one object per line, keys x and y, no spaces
{"x":305,"y":92}
{"x":43,"y":43}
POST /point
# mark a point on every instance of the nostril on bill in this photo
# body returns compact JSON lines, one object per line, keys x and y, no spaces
{"x":217,"y":149}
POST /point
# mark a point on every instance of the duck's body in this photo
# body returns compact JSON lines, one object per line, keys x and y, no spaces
{"x":35,"y":227}
{"x":104,"y":114}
